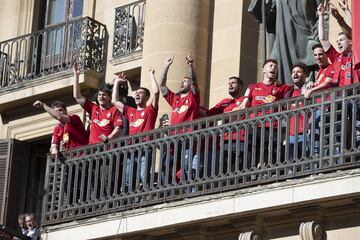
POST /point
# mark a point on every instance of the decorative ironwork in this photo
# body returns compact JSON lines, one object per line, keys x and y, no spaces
{"x":129,"y":29}
{"x":224,"y":152}
{"x":53,"y":50}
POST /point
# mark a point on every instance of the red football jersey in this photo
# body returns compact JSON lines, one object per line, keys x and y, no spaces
{"x":103,"y":121}
{"x":71,"y":134}
{"x":184,"y":109}
{"x":141,"y":120}
{"x":228,"y":105}
{"x":342,"y":65}
{"x":260,"y":93}
{"x":300,"y":116}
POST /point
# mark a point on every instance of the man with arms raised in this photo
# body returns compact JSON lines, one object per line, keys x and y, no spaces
{"x":185,"y":105}
{"x":106,"y":120}
{"x":141,"y":119}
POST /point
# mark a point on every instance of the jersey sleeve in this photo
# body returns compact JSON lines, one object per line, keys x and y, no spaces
{"x":169,"y":97}
{"x":217,"y":109}
{"x":117,"y":118}
{"x":56,"y":139}
{"x":332,"y":54}
{"x":88,"y":106}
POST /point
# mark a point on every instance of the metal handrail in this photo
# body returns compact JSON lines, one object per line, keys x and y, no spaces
{"x":129,"y":29}
{"x":209,"y":155}
{"x":53,"y":50}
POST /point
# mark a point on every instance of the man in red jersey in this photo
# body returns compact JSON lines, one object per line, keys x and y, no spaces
{"x":231,"y":104}
{"x":342,"y":59}
{"x":267,"y":91}
{"x":185,"y":105}
{"x":325,"y":72}
{"x":323,"y":81}
{"x":106,"y":120}
{"x":299,"y":121}
{"x":141,"y":119}
{"x":69,"y":132}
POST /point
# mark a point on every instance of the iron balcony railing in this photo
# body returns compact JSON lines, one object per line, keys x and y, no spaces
{"x":53,"y":50}
{"x":129,"y":29}
{"x":211,"y":155}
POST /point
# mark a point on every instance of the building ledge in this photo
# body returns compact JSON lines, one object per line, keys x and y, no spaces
{"x":316,"y":189}
{"x":54,"y":84}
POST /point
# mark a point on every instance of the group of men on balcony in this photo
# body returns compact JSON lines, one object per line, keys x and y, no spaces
{"x":110,"y":111}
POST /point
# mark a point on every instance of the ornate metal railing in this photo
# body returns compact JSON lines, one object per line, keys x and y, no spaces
{"x":214,"y":154}
{"x":53,"y":50}
{"x":129,"y":29}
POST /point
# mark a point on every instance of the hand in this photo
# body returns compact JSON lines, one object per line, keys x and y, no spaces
{"x":165,"y":123}
{"x":310,"y":85}
{"x":38,"y":104}
{"x":104,"y":138}
{"x":76,"y":69}
{"x":189,"y":59}
{"x":168,"y":61}
{"x":307,"y":93}
{"x":344,"y":5}
{"x":151,"y":71}
{"x":121,"y":78}
{"x":334,"y":12}
{"x":320,"y":10}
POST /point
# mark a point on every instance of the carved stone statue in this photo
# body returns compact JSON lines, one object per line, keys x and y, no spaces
{"x":292,"y":31}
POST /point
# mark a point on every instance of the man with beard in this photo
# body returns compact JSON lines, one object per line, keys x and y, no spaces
{"x":341,"y":59}
{"x":185,"y":107}
{"x":106,"y":120}
{"x":299,"y":74}
{"x":141,"y":119}
{"x":267,"y":91}
{"x":229,"y":144}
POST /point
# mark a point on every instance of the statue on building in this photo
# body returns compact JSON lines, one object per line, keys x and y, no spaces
{"x":291,"y":27}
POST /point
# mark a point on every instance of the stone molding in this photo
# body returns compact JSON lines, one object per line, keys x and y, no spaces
{"x":311,"y":231}
{"x":249,"y":236}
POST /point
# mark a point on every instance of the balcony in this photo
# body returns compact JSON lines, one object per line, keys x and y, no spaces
{"x":37,"y":62}
{"x":128,"y":32}
{"x":92,"y":180}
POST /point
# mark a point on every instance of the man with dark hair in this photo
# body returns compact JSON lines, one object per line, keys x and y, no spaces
{"x":231,"y":104}
{"x":142,"y":118}
{"x":22,"y":224}
{"x":106,"y":120}
{"x":342,"y":59}
{"x":325,"y":72}
{"x":33,"y":229}
{"x":267,"y":91}
{"x":185,"y":106}
{"x":69,"y":132}
{"x":299,"y":74}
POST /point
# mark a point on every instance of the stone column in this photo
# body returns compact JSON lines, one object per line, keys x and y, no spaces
{"x":173,"y":28}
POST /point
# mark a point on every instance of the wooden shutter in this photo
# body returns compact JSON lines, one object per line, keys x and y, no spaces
{"x":14,"y":158}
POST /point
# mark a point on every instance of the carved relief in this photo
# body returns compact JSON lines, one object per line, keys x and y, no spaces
{"x":249,"y":236}
{"x":311,"y":231}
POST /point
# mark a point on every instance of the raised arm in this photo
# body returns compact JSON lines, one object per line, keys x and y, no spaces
{"x":344,"y":5}
{"x":194,"y":85}
{"x":120,"y":78}
{"x":155,"y":88}
{"x":163,"y":87}
{"x":63,"y":118}
{"x":323,"y":36}
{"x":76,"y":88}
{"x":344,"y":26}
